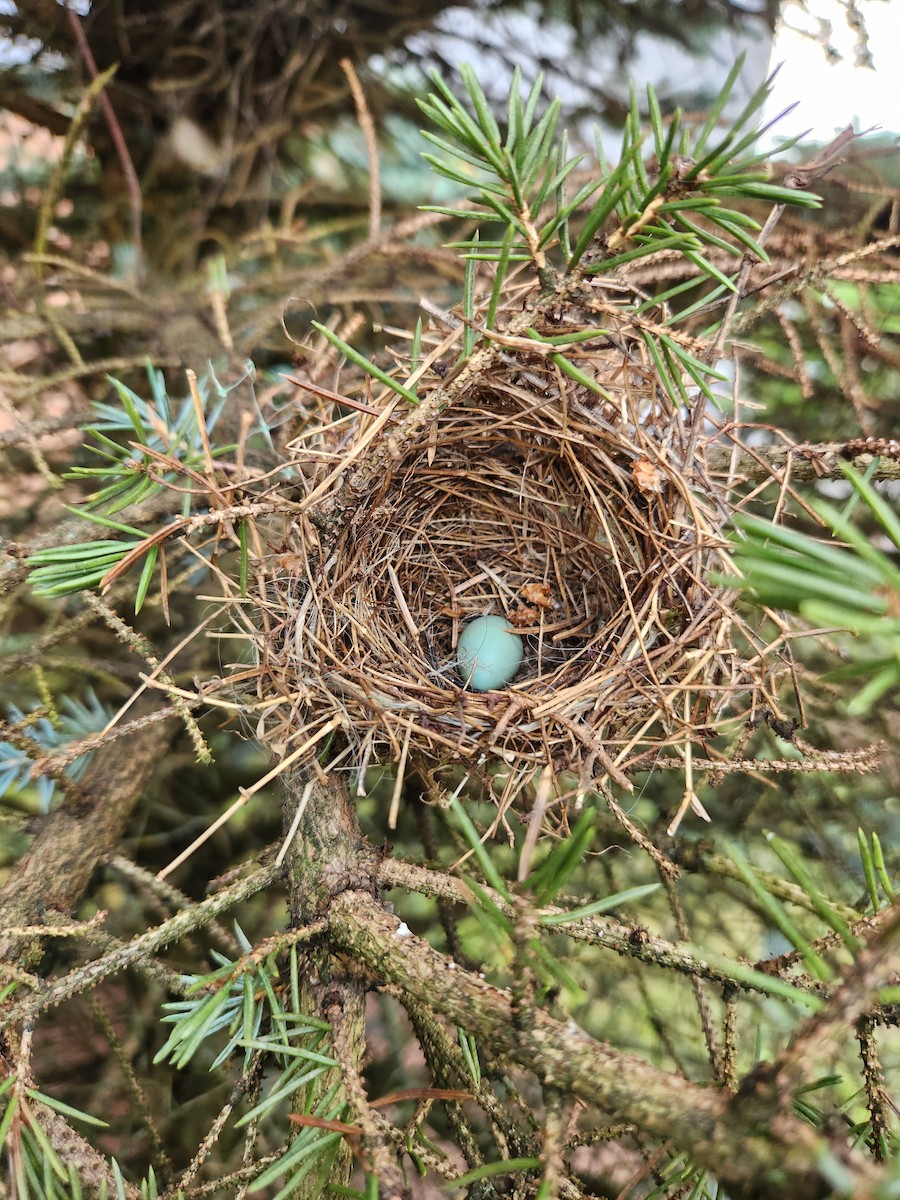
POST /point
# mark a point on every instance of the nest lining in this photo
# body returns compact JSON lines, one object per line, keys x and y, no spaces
{"x":571,"y":516}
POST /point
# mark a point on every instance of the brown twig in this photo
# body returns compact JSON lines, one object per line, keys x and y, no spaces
{"x":367,"y":125}
{"x":118,"y":138}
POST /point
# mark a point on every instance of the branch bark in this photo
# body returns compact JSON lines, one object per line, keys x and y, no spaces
{"x":327,"y":857}
{"x":55,"y":870}
{"x":808,"y":461}
{"x":752,"y":1142}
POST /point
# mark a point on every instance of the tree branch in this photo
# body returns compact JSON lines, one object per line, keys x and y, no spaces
{"x":55,"y":870}
{"x":752,"y":1142}
{"x":808,"y":461}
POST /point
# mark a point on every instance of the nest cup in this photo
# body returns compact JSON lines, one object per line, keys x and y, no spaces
{"x":490,"y":519}
{"x":567,"y":514}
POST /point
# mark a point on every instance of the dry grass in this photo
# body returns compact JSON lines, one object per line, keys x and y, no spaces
{"x":588,"y":520}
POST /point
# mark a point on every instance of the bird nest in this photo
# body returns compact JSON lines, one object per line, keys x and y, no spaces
{"x":573,"y":502}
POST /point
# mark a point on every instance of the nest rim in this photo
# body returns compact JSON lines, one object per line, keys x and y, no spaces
{"x":474,"y":517}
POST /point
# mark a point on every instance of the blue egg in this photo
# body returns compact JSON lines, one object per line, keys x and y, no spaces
{"x":489,"y":653}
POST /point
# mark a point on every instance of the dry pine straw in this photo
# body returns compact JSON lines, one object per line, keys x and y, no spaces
{"x":531,"y":497}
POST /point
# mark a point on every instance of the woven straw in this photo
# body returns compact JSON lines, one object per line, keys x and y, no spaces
{"x":586,"y":519}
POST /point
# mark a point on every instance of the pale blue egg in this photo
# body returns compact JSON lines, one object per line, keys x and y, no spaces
{"x":489,"y":653}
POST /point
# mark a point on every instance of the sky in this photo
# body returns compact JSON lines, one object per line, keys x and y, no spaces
{"x":830,"y":95}
{"x":833,"y":96}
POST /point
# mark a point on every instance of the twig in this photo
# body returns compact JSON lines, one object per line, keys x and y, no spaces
{"x":367,"y":125}
{"x":177,"y":927}
{"x":118,"y":139}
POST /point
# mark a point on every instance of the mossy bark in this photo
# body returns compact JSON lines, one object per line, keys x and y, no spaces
{"x":328,"y":856}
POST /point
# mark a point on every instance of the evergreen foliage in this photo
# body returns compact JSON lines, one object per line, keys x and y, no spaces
{"x":506,"y":984}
